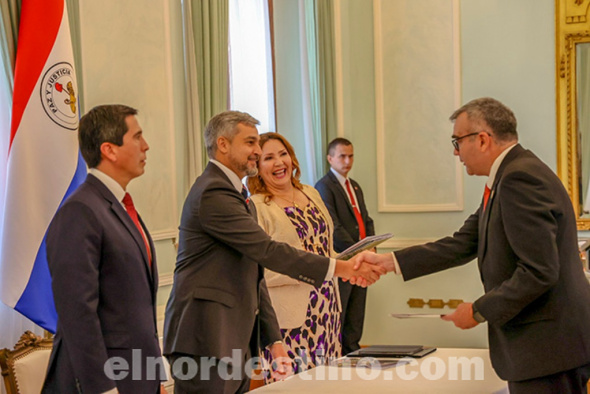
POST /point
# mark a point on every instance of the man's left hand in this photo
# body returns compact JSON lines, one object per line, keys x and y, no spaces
{"x":462,"y":317}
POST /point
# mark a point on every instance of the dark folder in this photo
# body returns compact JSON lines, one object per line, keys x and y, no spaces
{"x":394,"y":351}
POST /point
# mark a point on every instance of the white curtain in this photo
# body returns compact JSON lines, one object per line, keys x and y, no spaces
{"x":250,"y":61}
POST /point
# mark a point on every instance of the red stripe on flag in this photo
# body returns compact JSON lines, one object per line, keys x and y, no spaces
{"x":39,"y":24}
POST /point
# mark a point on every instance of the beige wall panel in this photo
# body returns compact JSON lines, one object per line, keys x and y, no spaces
{"x":417,"y":88}
{"x":127,"y":59}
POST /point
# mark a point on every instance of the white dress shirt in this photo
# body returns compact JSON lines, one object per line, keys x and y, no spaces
{"x":110,"y":183}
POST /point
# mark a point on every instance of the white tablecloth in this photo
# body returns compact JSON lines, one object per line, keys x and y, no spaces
{"x":444,"y":371}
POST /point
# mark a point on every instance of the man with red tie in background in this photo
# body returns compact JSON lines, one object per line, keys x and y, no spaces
{"x":345,"y":202}
{"x":103,"y":267}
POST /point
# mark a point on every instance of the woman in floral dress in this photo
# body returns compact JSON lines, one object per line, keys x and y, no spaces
{"x":294,"y":213}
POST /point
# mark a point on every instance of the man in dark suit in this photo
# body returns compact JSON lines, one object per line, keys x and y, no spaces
{"x":219,"y":312}
{"x":537,"y":300}
{"x":103,"y":268}
{"x":345,"y":201}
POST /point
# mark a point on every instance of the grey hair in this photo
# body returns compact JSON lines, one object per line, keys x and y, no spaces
{"x":499,"y":117}
{"x":225,"y":125}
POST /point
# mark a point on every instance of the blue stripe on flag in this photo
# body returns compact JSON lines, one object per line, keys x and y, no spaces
{"x":36,"y":302}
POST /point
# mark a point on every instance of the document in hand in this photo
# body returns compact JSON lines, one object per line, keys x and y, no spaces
{"x":394,"y":351}
{"x":362,"y":245}
{"x":416,"y":315}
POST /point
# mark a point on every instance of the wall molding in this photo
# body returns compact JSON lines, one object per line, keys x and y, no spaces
{"x":338,"y":73}
{"x":148,"y":86}
{"x":159,"y":235}
{"x":383,"y":205}
{"x":170,"y":232}
{"x":165,"y":280}
{"x":400,"y":243}
{"x":160,"y":314}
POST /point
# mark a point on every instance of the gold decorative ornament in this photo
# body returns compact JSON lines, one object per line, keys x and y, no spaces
{"x":572,"y":29}
{"x":434,"y":303}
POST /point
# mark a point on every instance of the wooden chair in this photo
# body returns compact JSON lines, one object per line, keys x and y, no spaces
{"x":24,"y":368}
{"x":256,"y":383}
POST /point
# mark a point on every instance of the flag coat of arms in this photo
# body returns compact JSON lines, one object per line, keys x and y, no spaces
{"x":43,"y":165}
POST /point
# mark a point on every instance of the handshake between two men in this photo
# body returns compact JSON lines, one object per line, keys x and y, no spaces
{"x":364,"y":269}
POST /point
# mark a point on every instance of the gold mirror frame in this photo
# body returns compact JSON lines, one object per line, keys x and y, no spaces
{"x":572,"y":26}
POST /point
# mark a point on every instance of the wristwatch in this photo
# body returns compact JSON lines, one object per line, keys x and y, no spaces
{"x":478,"y":317}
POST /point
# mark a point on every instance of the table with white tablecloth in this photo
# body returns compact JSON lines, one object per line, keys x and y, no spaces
{"x":444,"y":371}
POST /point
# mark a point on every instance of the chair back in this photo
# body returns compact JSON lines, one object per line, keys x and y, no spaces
{"x":24,"y":368}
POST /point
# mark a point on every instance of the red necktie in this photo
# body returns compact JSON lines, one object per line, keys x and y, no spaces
{"x":128,"y":202}
{"x":486,"y":196}
{"x":357,"y":213}
{"x":245,"y":194}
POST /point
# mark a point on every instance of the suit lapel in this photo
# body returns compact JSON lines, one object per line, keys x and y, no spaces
{"x":218,"y":172}
{"x":340,"y":189}
{"x":484,"y":215}
{"x":133,"y":230}
{"x":252,"y":209}
{"x":152,"y":268}
{"x":124,"y":217}
{"x":213,"y":170}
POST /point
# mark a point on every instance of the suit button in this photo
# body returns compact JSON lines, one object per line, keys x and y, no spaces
{"x":257,"y":311}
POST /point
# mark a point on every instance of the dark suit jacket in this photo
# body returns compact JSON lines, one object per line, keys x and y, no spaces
{"x":219,"y":300}
{"x":346,"y":229}
{"x":104,"y":291}
{"x":537,"y":300}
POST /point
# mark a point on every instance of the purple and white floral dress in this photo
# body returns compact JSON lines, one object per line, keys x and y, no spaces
{"x":318,"y":339}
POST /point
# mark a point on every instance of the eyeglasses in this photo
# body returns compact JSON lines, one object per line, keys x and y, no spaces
{"x":455,"y":141}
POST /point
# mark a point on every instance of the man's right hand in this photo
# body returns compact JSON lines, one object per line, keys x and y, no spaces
{"x":384,"y":260}
{"x":364,"y":274}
